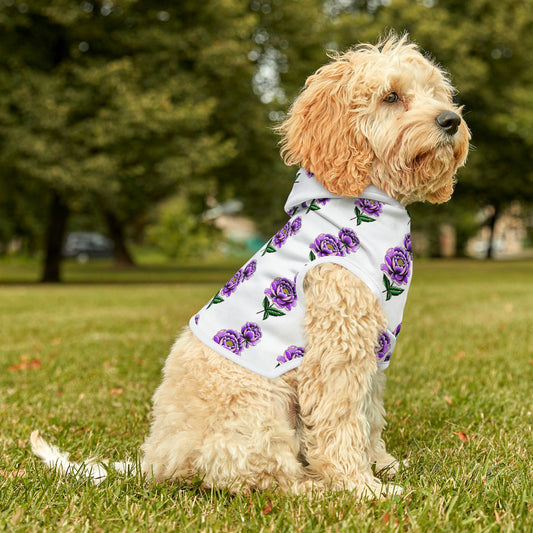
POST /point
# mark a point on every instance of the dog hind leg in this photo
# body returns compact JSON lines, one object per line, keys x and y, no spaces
{"x":215,"y":419}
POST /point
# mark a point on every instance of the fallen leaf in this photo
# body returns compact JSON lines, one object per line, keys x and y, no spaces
{"x":460,"y":355}
{"x":117,"y":391}
{"x":25,"y":364}
{"x":267,"y":509}
{"x":462,"y":436}
{"x":386,"y":518}
{"x":448,"y":400}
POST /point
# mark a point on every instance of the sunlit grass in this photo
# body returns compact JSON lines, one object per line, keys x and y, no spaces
{"x":80,"y":362}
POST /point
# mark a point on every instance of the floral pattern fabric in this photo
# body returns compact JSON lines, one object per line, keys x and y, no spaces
{"x":234,"y":341}
{"x":256,"y":318}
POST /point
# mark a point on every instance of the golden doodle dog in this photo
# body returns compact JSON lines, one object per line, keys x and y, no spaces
{"x":279,"y":379}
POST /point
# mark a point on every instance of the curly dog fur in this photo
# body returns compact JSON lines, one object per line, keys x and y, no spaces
{"x":374,"y":115}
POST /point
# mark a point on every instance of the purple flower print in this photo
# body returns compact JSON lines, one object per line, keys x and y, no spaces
{"x":251,"y":334}
{"x":231,"y":285}
{"x":296,"y":226}
{"x":326,"y":244}
{"x":249,"y":269}
{"x":282,"y":235}
{"x":282,"y":292}
{"x":383,"y":346}
{"x":309,"y":174}
{"x":397,"y":265}
{"x":370,"y":207}
{"x":292,"y":352}
{"x":407,"y":244}
{"x":196,"y":319}
{"x":349,"y":240}
{"x":279,"y":239}
{"x":229,"y":339}
{"x":323,"y":201}
{"x":397,"y":330}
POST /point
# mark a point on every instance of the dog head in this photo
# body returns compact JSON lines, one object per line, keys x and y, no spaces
{"x":379,"y":115}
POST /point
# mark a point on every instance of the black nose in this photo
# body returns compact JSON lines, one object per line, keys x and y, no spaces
{"x":449,"y":122}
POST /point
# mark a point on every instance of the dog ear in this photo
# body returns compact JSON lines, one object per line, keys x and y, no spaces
{"x":322,"y":133}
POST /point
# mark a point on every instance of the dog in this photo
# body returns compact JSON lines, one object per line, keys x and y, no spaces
{"x":278,"y":381}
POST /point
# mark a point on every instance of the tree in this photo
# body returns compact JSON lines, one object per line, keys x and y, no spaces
{"x":287,"y":45}
{"x":108,"y":106}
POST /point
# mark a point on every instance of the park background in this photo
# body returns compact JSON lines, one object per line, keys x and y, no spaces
{"x":151,"y":123}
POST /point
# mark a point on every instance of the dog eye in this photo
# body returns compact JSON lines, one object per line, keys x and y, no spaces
{"x":391,"y":98}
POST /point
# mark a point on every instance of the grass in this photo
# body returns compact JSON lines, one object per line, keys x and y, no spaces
{"x":81,"y":360}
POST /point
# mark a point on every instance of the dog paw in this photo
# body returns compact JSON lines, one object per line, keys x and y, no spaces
{"x":388,"y":466}
{"x":380,"y":490}
{"x":392,"y":489}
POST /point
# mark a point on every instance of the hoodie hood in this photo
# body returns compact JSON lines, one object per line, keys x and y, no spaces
{"x":307,"y":188}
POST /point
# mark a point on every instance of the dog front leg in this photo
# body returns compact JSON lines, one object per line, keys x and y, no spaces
{"x":343,"y":320}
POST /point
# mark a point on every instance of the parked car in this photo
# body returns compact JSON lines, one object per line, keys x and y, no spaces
{"x":83,"y":246}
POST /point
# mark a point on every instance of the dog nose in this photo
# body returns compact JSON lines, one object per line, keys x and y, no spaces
{"x":449,"y":122}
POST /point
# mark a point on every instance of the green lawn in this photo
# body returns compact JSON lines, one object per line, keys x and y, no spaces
{"x":80,"y":362}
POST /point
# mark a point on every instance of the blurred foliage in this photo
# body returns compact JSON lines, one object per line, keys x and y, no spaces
{"x":179,"y":233}
{"x":104,"y":104}
{"x":116,"y":106}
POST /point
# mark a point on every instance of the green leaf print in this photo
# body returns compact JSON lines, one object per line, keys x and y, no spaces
{"x":217,"y":299}
{"x":361,"y":217}
{"x":391,"y":289}
{"x":268,"y":310}
{"x":269,"y":249}
{"x":313,"y":207}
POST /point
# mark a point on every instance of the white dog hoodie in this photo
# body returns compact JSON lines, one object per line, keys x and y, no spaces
{"x":256,"y":319}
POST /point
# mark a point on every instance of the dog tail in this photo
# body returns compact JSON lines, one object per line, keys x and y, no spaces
{"x":94,"y":470}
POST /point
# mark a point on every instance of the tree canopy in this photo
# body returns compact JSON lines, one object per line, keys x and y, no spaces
{"x":110,"y":107}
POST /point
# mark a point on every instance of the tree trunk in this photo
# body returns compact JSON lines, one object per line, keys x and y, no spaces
{"x":492,"y":226}
{"x":55,"y":235}
{"x":116,"y":233}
